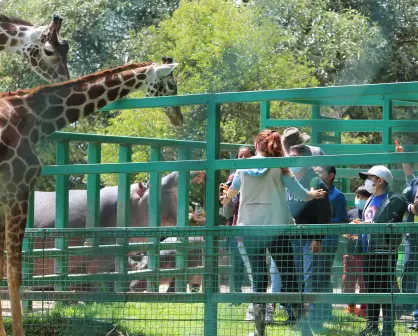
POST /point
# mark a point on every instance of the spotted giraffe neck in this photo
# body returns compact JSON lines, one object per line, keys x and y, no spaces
{"x":59,"y":105}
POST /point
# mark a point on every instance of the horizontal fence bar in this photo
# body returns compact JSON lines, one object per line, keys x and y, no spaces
{"x":132,"y":167}
{"x":104,"y":249}
{"x":223,"y":230}
{"x":358,"y":101}
{"x":366,"y":148}
{"x":321,"y":160}
{"x":341,"y":125}
{"x":339,"y":298}
{"x":190,"y":165}
{"x":126,"y":140}
{"x":371,"y":92}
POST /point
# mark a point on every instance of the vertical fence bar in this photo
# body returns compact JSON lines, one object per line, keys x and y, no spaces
{"x":28,"y":261}
{"x":231,"y":253}
{"x":210,"y":278}
{"x":316,"y":115}
{"x":123,"y":216}
{"x":93,"y":192}
{"x":387,"y":129}
{"x":182,"y":256}
{"x":265,"y":114}
{"x":61,"y":244}
{"x":154,"y":219}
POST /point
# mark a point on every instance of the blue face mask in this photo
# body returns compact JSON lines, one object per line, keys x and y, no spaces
{"x":360,"y":203}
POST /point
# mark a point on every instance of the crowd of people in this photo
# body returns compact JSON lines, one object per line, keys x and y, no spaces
{"x":307,"y":195}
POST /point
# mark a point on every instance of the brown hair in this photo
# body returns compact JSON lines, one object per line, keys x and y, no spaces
{"x":269,"y":142}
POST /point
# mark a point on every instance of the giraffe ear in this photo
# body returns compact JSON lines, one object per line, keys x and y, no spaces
{"x":163,"y":70}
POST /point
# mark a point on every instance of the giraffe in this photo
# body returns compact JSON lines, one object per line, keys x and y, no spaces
{"x":41,"y":46}
{"x":31,"y":115}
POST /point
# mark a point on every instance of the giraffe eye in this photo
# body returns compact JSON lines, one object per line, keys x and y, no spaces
{"x":49,"y":53}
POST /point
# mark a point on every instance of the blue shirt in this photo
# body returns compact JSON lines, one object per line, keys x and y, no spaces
{"x":338,"y":204}
{"x":368,"y":216}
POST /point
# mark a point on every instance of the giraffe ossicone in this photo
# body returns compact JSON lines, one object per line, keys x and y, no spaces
{"x":28,"y":116}
{"x":42,"y":46}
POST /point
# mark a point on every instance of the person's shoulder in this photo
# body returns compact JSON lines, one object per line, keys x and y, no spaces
{"x":339,"y":194}
{"x":353,"y":214}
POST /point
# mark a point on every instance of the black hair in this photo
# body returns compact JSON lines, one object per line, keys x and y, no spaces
{"x":302,"y":150}
{"x":362,"y":191}
{"x":251,"y":149}
{"x":330,"y":169}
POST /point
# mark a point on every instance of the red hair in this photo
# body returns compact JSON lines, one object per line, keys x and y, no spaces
{"x":269,"y":142}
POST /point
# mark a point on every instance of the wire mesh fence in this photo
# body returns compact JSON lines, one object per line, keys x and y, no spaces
{"x":255,"y":276}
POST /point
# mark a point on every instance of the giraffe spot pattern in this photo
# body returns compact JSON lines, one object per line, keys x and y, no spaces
{"x":72,"y":114}
{"x":96,"y":91}
{"x":113,"y":94}
{"x":10,"y":136}
{"x":76,"y":99}
{"x":48,"y":128}
{"x":14,"y":42}
{"x":89,"y":109}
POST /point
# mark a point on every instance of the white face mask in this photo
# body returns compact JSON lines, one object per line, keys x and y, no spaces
{"x":370,"y":187}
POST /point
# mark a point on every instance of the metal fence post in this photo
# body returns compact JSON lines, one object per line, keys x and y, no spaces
{"x":93,"y":192}
{"x":61,"y":244}
{"x":210,"y":279}
{"x":265,"y":114}
{"x":27,"y":269}
{"x":123,"y":217}
{"x":154,"y":219}
{"x":182,"y":256}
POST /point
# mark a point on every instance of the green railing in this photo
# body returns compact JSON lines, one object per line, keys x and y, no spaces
{"x":343,"y":155}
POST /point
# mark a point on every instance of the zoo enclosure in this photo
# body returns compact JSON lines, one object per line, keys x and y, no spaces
{"x":384,"y":95}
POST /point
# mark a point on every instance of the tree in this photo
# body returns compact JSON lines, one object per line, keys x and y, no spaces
{"x":222,"y":48}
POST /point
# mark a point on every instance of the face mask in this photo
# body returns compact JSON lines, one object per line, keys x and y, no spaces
{"x":370,"y":187}
{"x":360,"y":203}
{"x":295,"y":170}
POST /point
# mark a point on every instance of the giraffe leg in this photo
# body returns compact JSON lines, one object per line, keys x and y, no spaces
{"x":2,"y":238}
{"x":15,"y":228}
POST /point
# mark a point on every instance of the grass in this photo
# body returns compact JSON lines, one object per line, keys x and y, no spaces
{"x":162,"y":319}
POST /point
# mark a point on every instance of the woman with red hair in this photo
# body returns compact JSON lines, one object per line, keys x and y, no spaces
{"x":263,"y":202}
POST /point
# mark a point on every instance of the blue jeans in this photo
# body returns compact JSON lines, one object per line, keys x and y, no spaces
{"x":297,"y":245}
{"x":274,"y":277}
{"x":317,"y":269}
{"x":281,"y":253}
{"x":410,"y":266}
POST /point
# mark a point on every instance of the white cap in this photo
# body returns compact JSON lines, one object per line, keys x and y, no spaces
{"x":379,"y":171}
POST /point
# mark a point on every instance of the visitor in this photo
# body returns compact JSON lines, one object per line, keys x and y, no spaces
{"x":263,"y":202}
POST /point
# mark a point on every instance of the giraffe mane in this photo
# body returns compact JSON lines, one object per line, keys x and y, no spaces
{"x":11,"y":19}
{"x":80,"y":80}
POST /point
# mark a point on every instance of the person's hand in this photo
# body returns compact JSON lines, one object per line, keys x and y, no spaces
{"x":224,"y":199}
{"x":316,"y":246}
{"x":196,"y":219}
{"x":398,"y":147}
{"x":413,"y":210}
{"x":357,"y":221}
{"x":316,"y":194}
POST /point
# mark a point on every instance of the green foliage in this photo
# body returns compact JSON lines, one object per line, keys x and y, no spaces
{"x":221,"y":48}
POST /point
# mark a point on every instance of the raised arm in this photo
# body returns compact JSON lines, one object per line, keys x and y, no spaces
{"x":293,"y":185}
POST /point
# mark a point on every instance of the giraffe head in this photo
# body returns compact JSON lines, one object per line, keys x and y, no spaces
{"x":48,"y":54}
{"x":161,"y":82}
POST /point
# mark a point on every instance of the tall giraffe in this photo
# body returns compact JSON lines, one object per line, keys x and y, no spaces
{"x":30,"y":116}
{"x":41,"y":46}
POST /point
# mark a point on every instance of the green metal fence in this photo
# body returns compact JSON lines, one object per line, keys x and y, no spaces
{"x":208,"y":312}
